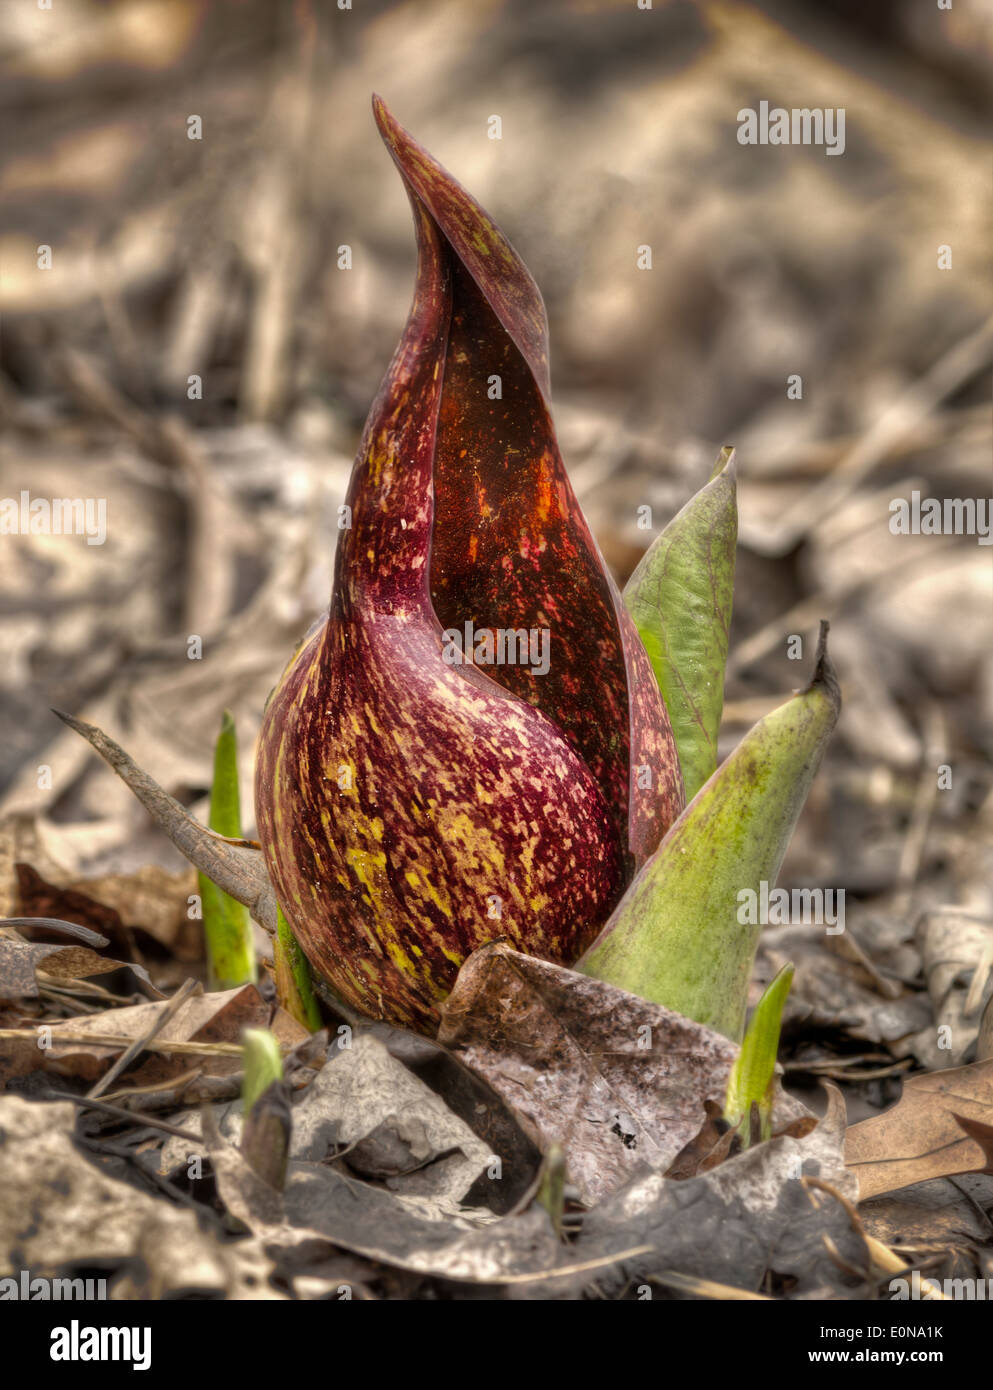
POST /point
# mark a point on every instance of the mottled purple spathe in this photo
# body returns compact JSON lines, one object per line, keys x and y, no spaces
{"x":411,"y":810}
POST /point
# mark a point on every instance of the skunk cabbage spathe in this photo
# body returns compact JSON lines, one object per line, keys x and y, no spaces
{"x":416,"y":797}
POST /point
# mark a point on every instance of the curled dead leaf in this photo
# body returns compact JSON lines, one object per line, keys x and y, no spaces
{"x":938,"y":1128}
{"x":619,"y":1082}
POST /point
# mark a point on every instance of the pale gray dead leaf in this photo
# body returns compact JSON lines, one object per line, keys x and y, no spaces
{"x":392,"y":1125}
{"x":750,"y":1215}
{"x":320,"y":1208}
{"x":957,"y":954}
{"x":58,"y":1209}
{"x":619,"y":1082}
{"x":473,"y":1100}
{"x":363,"y":1092}
{"x":176,"y":1153}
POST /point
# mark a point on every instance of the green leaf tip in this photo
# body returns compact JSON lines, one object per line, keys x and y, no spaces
{"x":678,"y":937}
{"x":725,"y":459}
{"x":753,"y":1074}
{"x":294,"y":982}
{"x":225,"y":797}
{"x":226,"y":922}
{"x":680,"y":598}
{"x":263,"y":1064}
{"x":268,"y":1119}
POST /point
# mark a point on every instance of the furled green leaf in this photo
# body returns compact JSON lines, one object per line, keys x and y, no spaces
{"x":294,"y":986}
{"x":676,"y":937}
{"x":754,"y":1070}
{"x":680,"y":598}
{"x":226,"y":923}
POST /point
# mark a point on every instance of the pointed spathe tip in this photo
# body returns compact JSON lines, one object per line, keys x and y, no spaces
{"x":389,"y":127}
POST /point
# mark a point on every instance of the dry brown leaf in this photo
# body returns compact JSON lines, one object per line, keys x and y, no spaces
{"x":18,"y":961}
{"x":933,"y":1217}
{"x":709,"y":1146}
{"x":206,"y":1018}
{"x":983,"y":1135}
{"x":716,"y":1141}
{"x":150,"y":901}
{"x":233,"y":867}
{"x":25,"y":838}
{"x":618,"y":1082}
{"x":921,"y":1136}
{"x":22,"y":962}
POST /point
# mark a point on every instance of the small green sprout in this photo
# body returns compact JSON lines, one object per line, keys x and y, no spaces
{"x":753,"y":1074}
